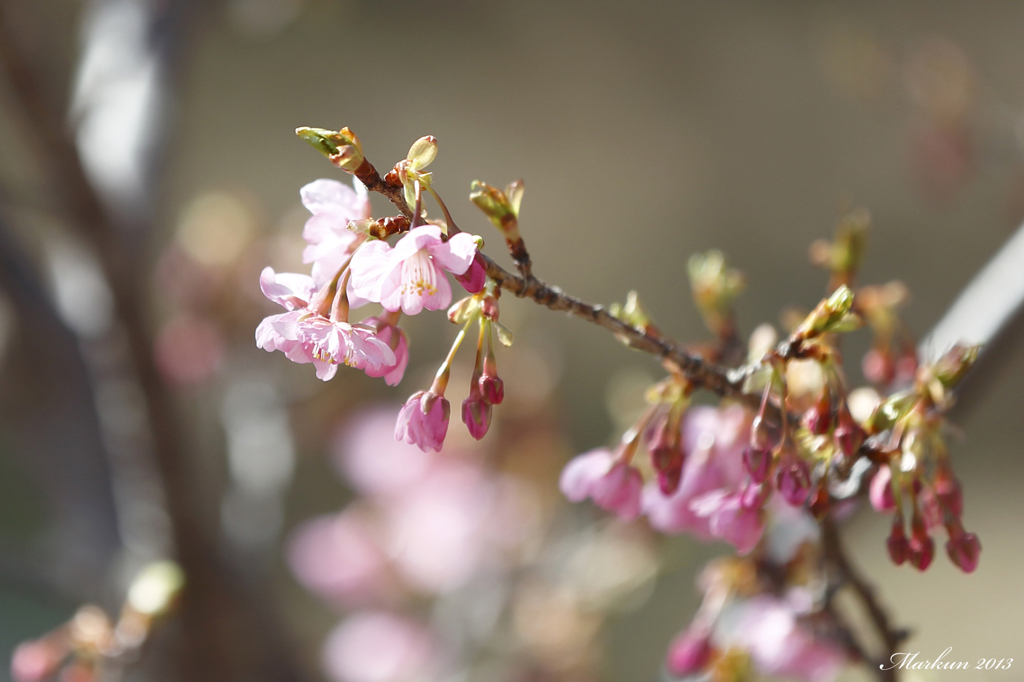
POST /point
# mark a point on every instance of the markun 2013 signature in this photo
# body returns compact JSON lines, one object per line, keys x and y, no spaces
{"x":908,"y":660}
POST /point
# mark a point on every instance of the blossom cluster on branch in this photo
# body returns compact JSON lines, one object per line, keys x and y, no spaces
{"x":786,"y":453}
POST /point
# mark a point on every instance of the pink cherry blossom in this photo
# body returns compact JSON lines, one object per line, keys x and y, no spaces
{"x":333,"y":205}
{"x":423,"y":421}
{"x":714,"y":440}
{"x":377,"y":646}
{"x":451,"y":525}
{"x":730,"y":519}
{"x":779,"y":645}
{"x":375,"y":463}
{"x":611,"y":484}
{"x":341,"y":343}
{"x":339,"y":558}
{"x":305,"y":336}
{"x":410,"y":276}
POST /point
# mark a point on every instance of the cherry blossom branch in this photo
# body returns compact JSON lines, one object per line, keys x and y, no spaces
{"x":727,"y":383}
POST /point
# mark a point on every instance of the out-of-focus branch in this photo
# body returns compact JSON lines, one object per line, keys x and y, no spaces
{"x":846,"y":574}
{"x":228,"y":631}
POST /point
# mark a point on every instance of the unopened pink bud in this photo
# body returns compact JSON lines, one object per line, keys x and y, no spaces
{"x":493,"y":389}
{"x":818,"y":418}
{"x":489,"y":308}
{"x":474,"y":279}
{"x":849,"y":436}
{"x":964,"y":550}
{"x":423,"y":421}
{"x":897,"y":544}
{"x":922,"y":551}
{"x":689,"y":653}
{"x":667,"y":459}
{"x":793,"y":481}
{"x":758,"y":463}
{"x":476,"y":415}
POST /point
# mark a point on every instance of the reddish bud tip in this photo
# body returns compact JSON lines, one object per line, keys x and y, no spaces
{"x":896,"y":543}
{"x":793,"y":481}
{"x":758,"y":462}
{"x":922,"y":551}
{"x":964,"y":551}
{"x":689,"y":653}
{"x":818,"y":418}
{"x":849,"y":436}
{"x":475,"y":277}
{"x":493,"y":389}
{"x":476,"y":415}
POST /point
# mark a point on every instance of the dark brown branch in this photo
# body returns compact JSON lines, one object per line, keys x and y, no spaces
{"x":719,"y":380}
{"x":847,"y":575}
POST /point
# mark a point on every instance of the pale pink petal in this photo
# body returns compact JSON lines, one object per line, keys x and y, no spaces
{"x":325,"y":371}
{"x":267,"y":337}
{"x":417,"y":239}
{"x":371,"y":266}
{"x":613,"y":486}
{"x":455,"y":255}
{"x":577,"y":477}
{"x":423,"y":285}
{"x":288,"y":289}
{"x":337,"y":198}
{"x":395,"y":374}
{"x":768,"y":628}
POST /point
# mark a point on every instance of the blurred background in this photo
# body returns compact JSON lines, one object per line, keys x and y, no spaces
{"x":149,"y":170}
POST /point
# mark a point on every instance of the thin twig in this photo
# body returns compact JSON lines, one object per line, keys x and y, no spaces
{"x":727,"y":383}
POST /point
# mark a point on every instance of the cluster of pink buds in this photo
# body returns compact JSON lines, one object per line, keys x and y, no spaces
{"x":697,"y":485}
{"x":423,"y":420}
{"x":916,"y":481}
